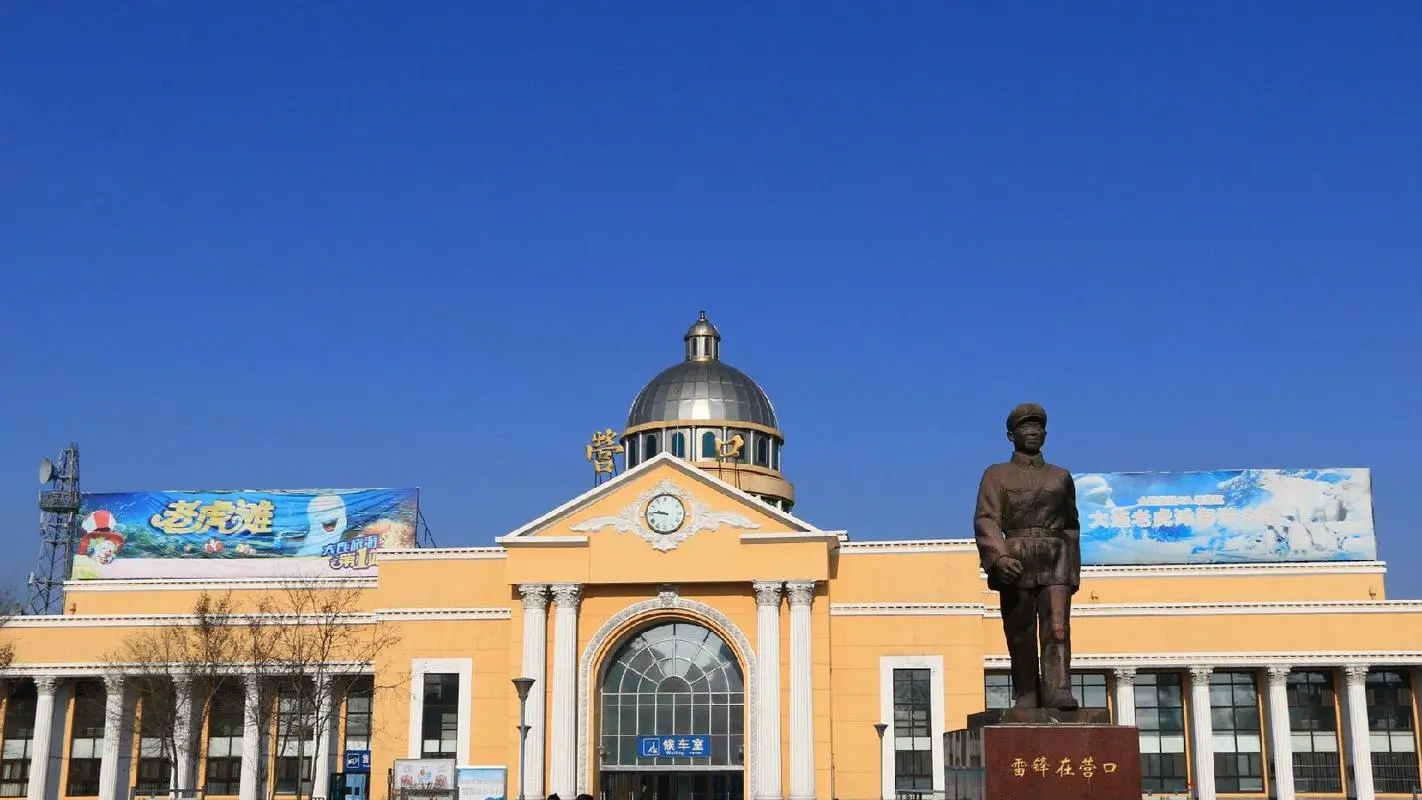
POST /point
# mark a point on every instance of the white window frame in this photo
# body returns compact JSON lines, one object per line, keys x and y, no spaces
{"x":887,"y":665}
{"x":419,"y":668}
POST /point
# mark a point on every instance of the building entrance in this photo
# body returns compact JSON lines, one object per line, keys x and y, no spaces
{"x":672,"y":786}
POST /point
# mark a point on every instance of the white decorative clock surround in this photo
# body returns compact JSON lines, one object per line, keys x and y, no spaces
{"x":699,"y":518}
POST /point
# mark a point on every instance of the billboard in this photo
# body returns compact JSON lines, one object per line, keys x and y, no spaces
{"x":1225,"y":516}
{"x":241,"y":534}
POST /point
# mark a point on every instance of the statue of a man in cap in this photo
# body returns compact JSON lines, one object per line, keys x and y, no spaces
{"x":1029,"y":541}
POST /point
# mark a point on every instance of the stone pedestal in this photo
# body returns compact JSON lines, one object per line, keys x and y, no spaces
{"x":1021,"y":754}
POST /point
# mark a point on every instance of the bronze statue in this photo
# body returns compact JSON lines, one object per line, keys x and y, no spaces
{"x":1029,"y":541}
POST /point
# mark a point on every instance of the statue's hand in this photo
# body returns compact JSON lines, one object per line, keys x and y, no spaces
{"x":1008,"y":569}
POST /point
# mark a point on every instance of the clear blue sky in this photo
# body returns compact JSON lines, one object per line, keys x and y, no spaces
{"x":379,"y":244}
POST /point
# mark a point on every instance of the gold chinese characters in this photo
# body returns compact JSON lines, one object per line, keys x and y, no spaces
{"x":602,"y":450}
{"x":223,"y":516}
{"x":1085,"y":767}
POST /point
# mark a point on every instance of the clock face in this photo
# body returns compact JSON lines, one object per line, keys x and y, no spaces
{"x":665,"y":513}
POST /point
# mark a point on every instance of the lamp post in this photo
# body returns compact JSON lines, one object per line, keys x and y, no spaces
{"x":879,"y":728}
{"x":522,"y":685}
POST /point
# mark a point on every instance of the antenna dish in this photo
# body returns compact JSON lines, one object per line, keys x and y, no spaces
{"x":46,"y":472}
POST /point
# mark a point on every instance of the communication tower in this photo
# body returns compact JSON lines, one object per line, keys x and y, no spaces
{"x":59,"y":525}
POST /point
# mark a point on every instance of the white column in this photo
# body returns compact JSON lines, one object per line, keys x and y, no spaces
{"x":112,"y":783}
{"x":767,"y":712}
{"x":563,"y":730}
{"x":1356,"y":706}
{"x":1281,"y":741}
{"x":323,"y":748}
{"x":1203,"y":762}
{"x":1126,"y":696}
{"x":183,"y":734}
{"x":535,"y":654}
{"x":802,"y":692}
{"x":44,"y":734}
{"x":250,"y":784}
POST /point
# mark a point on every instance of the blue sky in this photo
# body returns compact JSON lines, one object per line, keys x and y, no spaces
{"x":258,"y":245}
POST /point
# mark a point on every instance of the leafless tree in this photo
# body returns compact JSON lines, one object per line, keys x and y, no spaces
{"x":173,"y":676}
{"x":310,"y":643}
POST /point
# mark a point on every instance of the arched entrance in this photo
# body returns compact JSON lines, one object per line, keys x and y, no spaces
{"x":671,"y":706}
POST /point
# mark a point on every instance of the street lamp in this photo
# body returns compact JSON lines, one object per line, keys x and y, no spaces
{"x":522,"y":685}
{"x":879,"y":728}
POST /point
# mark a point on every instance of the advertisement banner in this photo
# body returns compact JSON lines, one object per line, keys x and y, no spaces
{"x":241,"y":534}
{"x":483,"y":783}
{"x":1225,"y":516}
{"x":424,"y":774}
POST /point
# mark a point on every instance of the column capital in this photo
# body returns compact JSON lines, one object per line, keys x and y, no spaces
{"x":1126,"y":676}
{"x":565,"y":595}
{"x":767,"y":593}
{"x":1278,"y":674}
{"x":802,"y":593}
{"x":46,"y":684}
{"x":1201,"y":672}
{"x":535,"y":596}
{"x":252,"y":681}
{"x":1355,"y":673}
{"x":113,"y":684}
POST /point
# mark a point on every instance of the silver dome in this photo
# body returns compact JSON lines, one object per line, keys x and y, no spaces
{"x":701,"y":390}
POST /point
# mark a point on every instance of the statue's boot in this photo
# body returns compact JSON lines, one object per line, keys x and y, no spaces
{"x":1028,"y":700}
{"x":1056,"y":680}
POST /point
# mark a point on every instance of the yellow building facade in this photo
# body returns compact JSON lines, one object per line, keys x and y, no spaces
{"x":682,"y":599}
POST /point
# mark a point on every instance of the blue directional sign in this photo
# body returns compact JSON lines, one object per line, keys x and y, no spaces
{"x":674,"y":746}
{"x":357,"y":761}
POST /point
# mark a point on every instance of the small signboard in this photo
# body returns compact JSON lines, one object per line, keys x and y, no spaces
{"x":483,"y":783}
{"x":674,"y":746}
{"x":357,"y":761}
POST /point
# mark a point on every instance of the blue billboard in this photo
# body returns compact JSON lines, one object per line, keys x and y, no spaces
{"x":241,"y":534}
{"x":1226,"y":516}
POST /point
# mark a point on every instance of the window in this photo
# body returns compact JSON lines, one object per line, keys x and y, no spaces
{"x":296,"y":730}
{"x":631,"y":451}
{"x":1234,"y":722}
{"x":1160,"y":716}
{"x":224,"y":742}
{"x":1394,"y":742}
{"x":997,"y":690}
{"x":762,"y":450}
{"x":678,"y":444}
{"x":1089,"y":689}
{"x":913,"y":733}
{"x":1313,"y":721}
{"x":775,"y":455}
{"x":155,"y":762}
{"x":19,"y":741}
{"x":439,"y":725}
{"x":86,"y":742}
{"x":673,"y":679}
{"x":708,"y":444}
{"x":359,"y":714}
{"x":652,"y":445}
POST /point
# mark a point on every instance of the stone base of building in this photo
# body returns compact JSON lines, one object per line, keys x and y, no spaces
{"x":1022,"y":754}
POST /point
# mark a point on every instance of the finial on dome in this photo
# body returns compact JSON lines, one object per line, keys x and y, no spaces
{"x":703,"y":341}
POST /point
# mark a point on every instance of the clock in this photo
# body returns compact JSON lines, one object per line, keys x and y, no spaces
{"x":665,"y":513}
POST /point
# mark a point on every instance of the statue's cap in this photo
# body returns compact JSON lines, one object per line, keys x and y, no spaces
{"x":1026,"y":411}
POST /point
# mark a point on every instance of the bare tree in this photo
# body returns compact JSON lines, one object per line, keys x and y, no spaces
{"x":173,"y":676}
{"x":310,"y":643}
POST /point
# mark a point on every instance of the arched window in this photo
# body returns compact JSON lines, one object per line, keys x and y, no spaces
{"x":673,"y":679}
{"x":652,"y":446}
{"x":678,"y":444}
{"x":631,"y":452}
{"x":762,"y":451}
{"x":708,"y":444}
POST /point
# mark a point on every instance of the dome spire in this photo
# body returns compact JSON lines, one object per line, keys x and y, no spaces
{"x":703,"y":341}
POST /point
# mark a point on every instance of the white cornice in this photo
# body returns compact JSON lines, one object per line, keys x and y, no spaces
{"x":910,"y":546}
{"x":547,"y":541}
{"x":790,"y":536}
{"x":92,"y":669}
{"x":443,"y":554}
{"x":441,"y":614}
{"x":162,"y":620}
{"x":906,"y":609}
{"x":198,"y":584}
{"x":1245,"y":659}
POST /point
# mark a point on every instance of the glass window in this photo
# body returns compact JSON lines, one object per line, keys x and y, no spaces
{"x":652,"y":444}
{"x":296,"y":730}
{"x":631,"y":451}
{"x":1394,"y":742}
{"x":775,"y":455}
{"x":86,"y":741}
{"x":359,"y":714}
{"x":224,"y":742}
{"x":913,"y":731}
{"x":440,"y":724}
{"x":762,"y":450}
{"x":997,"y":690}
{"x":19,"y":730}
{"x":1234,"y":723}
{"x":678,"y":444}
{"x":1313,"y":721}
{"x":1160,"y":716}
{"x":155,"y":759}
{"x":674,"y":679}
{"x":708,"y":444}
{"x":1089,"y":689}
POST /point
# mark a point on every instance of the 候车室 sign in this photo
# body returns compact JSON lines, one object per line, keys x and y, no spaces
{"x":674,"y":746}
